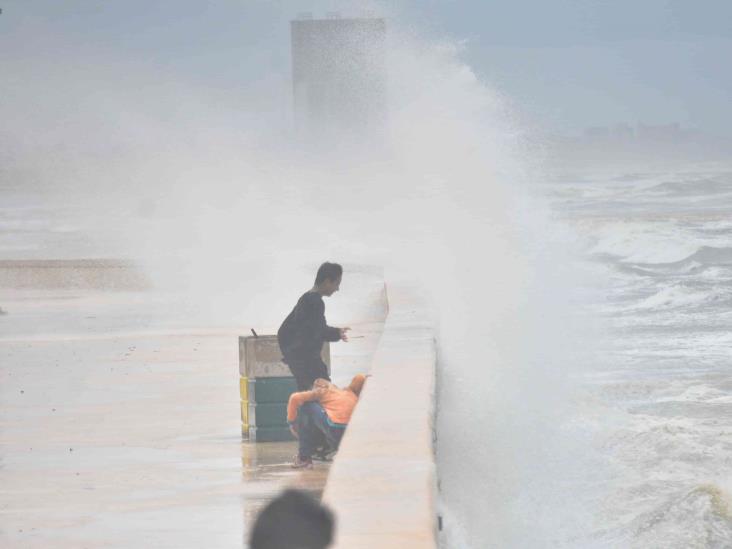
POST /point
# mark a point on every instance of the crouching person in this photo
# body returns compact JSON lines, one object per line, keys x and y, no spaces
{"x":319,"y":415}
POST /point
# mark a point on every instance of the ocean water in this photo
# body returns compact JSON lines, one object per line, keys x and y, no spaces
{"x":659,"y":399}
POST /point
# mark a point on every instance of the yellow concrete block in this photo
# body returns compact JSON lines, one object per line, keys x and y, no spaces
{"x":244,"y":392}
{"x":244,"y":388}
{"x":245,"y":413}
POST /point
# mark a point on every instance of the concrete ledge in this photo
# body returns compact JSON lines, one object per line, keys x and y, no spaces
{"x":77,"y":274}
{"x":382,"y":485}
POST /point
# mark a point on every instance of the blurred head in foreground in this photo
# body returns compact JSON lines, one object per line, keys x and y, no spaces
{"x":293,"y":520}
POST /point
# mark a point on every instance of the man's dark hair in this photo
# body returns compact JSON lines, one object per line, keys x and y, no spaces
{"x":292,"y":519}
{"x":328,"y":271}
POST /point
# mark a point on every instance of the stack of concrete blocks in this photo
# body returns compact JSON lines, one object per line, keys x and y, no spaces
{"x":265,"y":386}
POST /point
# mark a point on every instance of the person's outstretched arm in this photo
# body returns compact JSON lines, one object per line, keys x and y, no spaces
{"x":357,"y":384}
{"x":316,"y":324}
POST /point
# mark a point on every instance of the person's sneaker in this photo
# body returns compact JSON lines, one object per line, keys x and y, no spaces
{"x":324,"y":454}
{"x":299,"y":463}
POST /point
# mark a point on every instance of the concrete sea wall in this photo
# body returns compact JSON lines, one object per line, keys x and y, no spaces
{"x":78,"y":274}
{"x":383,"y":483}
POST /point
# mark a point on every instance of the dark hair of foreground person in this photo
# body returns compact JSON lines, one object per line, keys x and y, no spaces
{"x":328,"y":271}
{"x":293,"y":520}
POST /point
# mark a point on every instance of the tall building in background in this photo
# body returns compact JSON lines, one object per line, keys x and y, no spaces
{"x":339,"y":75}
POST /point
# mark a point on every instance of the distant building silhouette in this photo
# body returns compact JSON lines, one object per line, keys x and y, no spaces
{"x":665,"y":132}
{"x":338,"y":75}
{"x":642,"y":133}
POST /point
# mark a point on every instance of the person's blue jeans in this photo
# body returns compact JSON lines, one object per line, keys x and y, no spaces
{"x":314,"y":429}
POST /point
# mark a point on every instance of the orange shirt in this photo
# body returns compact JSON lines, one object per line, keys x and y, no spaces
{"x":337,"y":403}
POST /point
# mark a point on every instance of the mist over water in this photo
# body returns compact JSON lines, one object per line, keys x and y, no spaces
{"x":548,"y":429}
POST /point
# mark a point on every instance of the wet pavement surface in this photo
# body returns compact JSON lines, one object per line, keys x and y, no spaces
{"x":119,"y":437}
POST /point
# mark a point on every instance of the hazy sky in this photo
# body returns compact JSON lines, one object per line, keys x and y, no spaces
{"x":564,"y":64}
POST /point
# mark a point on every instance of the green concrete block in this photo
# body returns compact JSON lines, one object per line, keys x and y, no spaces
{"x":270,"y":434}
{"x":271,"y":389}
{"x":268,"y":414}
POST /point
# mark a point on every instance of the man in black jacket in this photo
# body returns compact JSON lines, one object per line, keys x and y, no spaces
{"x":303,"y":332}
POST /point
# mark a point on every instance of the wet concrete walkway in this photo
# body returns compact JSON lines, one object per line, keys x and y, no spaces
{"x":131,"y":438}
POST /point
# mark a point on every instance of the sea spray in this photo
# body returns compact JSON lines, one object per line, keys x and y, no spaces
{"x":230,"y":212}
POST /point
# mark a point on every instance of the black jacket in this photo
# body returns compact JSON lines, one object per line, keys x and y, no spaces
{"x":303,"y":332}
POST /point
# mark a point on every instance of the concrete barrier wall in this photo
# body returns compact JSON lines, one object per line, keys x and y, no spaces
{"x":77,"y":274}
{"x":383,"y":485}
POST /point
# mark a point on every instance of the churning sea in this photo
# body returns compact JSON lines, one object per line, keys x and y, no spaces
{"x":664,"y":241}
